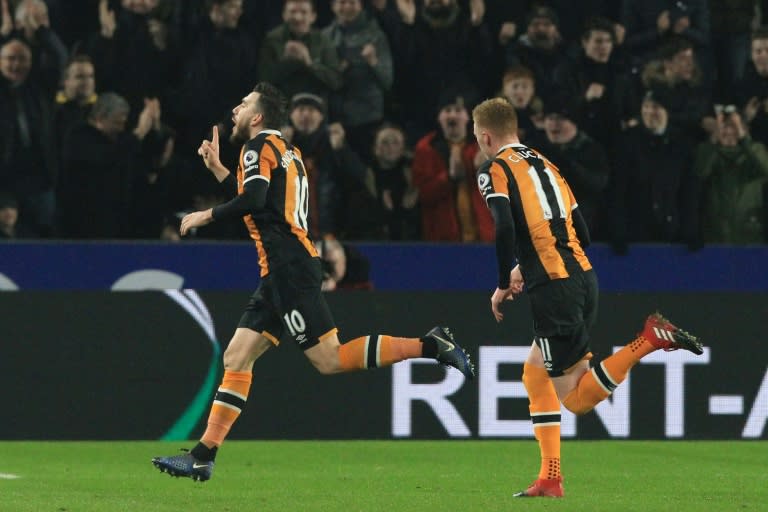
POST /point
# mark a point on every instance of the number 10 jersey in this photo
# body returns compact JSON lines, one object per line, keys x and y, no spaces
{"x":280,"y":229}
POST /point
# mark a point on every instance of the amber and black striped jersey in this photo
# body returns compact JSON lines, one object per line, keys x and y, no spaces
{"x":546,"y":244}
{"x":280,"y":227}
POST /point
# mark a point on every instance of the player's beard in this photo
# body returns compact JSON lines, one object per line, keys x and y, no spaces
{"x":239,"y":135}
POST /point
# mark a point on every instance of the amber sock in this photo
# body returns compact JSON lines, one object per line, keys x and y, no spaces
{"x":227,"y":405}
{"x":598,"y":383}
{"x":545,"y":415}
{"x":378,"y":350}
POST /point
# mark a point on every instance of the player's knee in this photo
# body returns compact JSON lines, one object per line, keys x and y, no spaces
{"x":325,"y":358}
{"x":326,"y":366}
{"x":576,"y":405}
{"x":535,"y":379}
{"x":232,"y":360}
{"x":531,"y":377}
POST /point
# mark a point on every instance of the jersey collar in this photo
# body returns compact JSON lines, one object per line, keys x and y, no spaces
{"x":271,"y":132}
{"x":513,"y":145}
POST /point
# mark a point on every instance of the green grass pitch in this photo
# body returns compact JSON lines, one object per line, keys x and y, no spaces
{"x":391,"y":476}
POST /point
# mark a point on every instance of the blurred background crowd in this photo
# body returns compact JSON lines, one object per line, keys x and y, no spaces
{"x":655,"y":112}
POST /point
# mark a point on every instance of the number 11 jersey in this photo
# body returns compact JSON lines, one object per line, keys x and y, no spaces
{"x":546,"y":245}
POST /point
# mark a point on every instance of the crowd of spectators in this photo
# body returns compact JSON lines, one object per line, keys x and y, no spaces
{"x":654,"y":111}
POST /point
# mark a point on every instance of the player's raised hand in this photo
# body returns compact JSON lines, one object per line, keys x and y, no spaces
{"x":209,"y":150}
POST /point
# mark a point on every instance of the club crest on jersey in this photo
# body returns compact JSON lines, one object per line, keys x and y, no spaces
{"x":250,"y":157}
{"x":483,"y":180}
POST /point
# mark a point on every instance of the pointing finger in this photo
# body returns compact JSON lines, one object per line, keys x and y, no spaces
{"x":215,"y":135}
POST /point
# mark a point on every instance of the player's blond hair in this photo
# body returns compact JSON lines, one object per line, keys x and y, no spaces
{"x":496,"y":115}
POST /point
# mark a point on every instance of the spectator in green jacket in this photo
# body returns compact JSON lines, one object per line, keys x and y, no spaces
{"x":366,"y":63}
{"x":733,"y":169}
{"x":296,"y":57}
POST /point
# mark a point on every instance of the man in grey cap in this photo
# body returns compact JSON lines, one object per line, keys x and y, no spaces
{"x":342,"y":205}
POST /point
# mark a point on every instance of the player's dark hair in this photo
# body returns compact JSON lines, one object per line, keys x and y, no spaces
{"x":272,"y":105}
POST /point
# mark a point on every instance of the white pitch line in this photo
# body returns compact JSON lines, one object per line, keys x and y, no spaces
{"x":8,"y":476}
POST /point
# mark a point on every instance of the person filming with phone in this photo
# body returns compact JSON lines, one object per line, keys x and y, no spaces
{"x":732,"y":169}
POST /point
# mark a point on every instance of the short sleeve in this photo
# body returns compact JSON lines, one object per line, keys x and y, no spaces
{"x":257,"y":161}
{"x":492,"y":180}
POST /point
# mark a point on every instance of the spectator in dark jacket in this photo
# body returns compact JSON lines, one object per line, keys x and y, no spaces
{"x":28,"y":145}
{"x":599,"y":82}
{"x":436,"y":48}
{"x":752,"y":90}
{"x":732,"y":22}
{"x":678,"y":77}
{"x":540,"y":49}
{"x":650,"y":22}
{"x":222,"y":60}
{"x":100,"y":167}
{"x":581,"y":161}
{"x":575,"y":15}
{"x":77,"y":96}
{"x":651,"y":186}
{"x":32,"y":25}
{"x":398,"y":198}
{"x":134,"y":52}
{"x":343,"y":202}
{"x":10,"y":228}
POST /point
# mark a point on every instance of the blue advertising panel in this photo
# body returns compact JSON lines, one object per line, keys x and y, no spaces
{"x":232,"y":266}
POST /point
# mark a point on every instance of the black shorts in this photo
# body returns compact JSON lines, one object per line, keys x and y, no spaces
{"x":289,"y":303}
{"x":564,"y":310}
